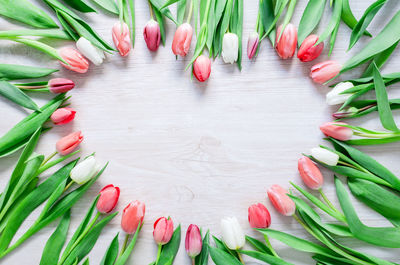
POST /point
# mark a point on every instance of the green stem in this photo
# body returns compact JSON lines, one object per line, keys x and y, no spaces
{"x":270,"y":246}
{"x":120,"y":10}
{"x":240,"y":257}
{"x":48,"y":165}
{"x":193,"y":261}
{"x":49,"y":157}
{"x":190,"y":12}
{"x":124,"y":245}
{"x":158,"y":253}
{"x":68,"y":186}
{"x":328,"y":202}
{"x":377,"y":136}
{"x":258,"y":17}
{"x":151,"y":10}
{"x":205,"y":21}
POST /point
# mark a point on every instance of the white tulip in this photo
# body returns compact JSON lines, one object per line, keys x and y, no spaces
{"x":232,"y":233}
{"x":334,"y":97}
{"x":84,"y":170}
{"x":325,"y":156}
{"x":230,"y":47}
{"x":94,"y":54}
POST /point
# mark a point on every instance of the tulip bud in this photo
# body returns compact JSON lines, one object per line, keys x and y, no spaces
{"x":286,"y":45}
{"x":152,"y":35}
{"x":68,"y":143}
{"x":202,"y":68}
{"x":94,"y":54}
{"x":308,"y":51}
{"x":325,"y":156}
{"x":182,"y":39}
{"x":252,"y":44}
{"x":259,"y":216}
{"x":325,"y":71}
{"x":310,"y":173}
{"x":62,"y":116}
{"x":279,"y":199}
{"x":335,"y":96}
{"x":230,"y":48}
{"x":60,"y":85}
{"x":193,"y":241}
{"x":163,"y":230}
{"x":334,"y":130}
{"x":132,"y":217}
{"x":76,"y":62}
{"x":108,"y":199}
{"x":85,"y":170}
{"x":121,"y":38}
{"x":232,"y":233}
{"x":347,"y":113}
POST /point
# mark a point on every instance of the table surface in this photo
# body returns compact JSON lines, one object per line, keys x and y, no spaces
{"x":195,"y":152}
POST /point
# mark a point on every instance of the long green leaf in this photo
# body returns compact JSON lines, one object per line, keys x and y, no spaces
{"x":14,"y":94}
{"x":108,"y":5}
{"x":40,"y":46}
{"x":170,"y":250}
{"x":310,"y":19}
{"x":15,"y":72}
{"x":47,"y":33}
{"x":265,"y":257}
{"x":202,"y":258}
{"x":80,"y":5}
{"x":165,"y":11}
{"x":258,"y":245}
{"x":221,"y":257}
{"x":337,"y":11}
{"x":112,"y":252}
{"x":127,"y":252}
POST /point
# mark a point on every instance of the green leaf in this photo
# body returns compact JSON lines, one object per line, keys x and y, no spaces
{"x":237,"y":27}
{"x":181,"y":8}
{"x":267,"y":18}
{"x":265,"y":257}
{"x":170,"y":250}
{"x":202,"y":258}
{"x":348,"y":17}
{"x":258,"y":245}
{"x":15,"y":72}
{"x":221,"y":257}
{"x":310,"y":19}
{"x":52,"y":249}
{"x":160,"y":20}
{"x":380,"y":59}
{"x":25,"y":12}
{"x":373,"y":141}
{"x":288,"y":16}
{"x":335,"y":19}
{"x":221,"y":245}
{"x":14,"y":94}
{"x":80,"y":5}
{"x":331,"y":260}
{"x":112,"y":252}
{"x":46,"y":33}
{"x":108,"y":5}
{"x":158,"y":4}
{"x":127,"y":252}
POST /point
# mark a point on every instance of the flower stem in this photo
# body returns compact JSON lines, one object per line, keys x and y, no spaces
{"x":270,"y":246}
{"x":48,"y":158}
{"x":158,"y":253}
{"x":68,"y":186}
{"x":124,"y":245}
{"x":240,"y":257}
{"x":190,"y":12}
{"x":193,"y":261}
{"x":151,"y":10}
{"x":328,"y":202}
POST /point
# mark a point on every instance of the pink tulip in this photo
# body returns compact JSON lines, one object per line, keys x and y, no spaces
{"x":163,"y":230}
{"x":152,"y":35}
{"x":202,"y":68}
{"x":252,"y":44}
{"x":193,"y":241}
{"x":259,"y":216}
{"x":310,"y":173}
{"x":307,"y":51}
{"x":60,"y":85}
{"x":325,"y":71}
{"x":108,"y":199}
{"x":286,"y":45}
{"x":132,"y":217}
{"x":62,"y":116}
{"x":182,"y":39}
{"x":68,"y":143}
{"x":332,"y":129}
{"x":76,"y":61}
{"x":121,"y":38}
{"x":279,"y":199}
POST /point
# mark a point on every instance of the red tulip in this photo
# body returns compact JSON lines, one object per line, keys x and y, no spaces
{"x":286,"y":45}
{"x":182,"y":39}
{"x":310,"y":173}
{"x":252,"y":44}
{"x":325,"y":71}
{"x":76,"y":62}
{"x":108,"y":198}
{"x":259,"y":216}
{"x":68,"y":143}
{"x":132,"y":217}
{"x":121,"y":38}
{"x":279,"y":199}
{"x":308,"y":51}
{"x":193,"y":241}
{"x":202,"y":68}
{"x":163,"y":230}
{"x":62,"y":116}
{"x":60,"y":85}
{"x":332,"y":129}
{"x":152,"y":35}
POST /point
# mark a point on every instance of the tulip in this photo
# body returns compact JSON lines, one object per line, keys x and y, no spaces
{"x":310,"y":173}
{"x":85,"y":170}
{"x":230,"y":48}
{"x":163,"y":230}
{"x":94,"y":54}
{"x":108,"y":199}
{"x":60,"y":85}
{"x":325,"y":71}
{"x":334,"y":130}
{"x":152,"y":35}
{"x":68,"y":143}
{"x":202,"y":68}
{"x":193,"y":241}
{"x":182,"y":39}
{"x":76,"y":62}
{"x":121,"y":38}
{"x":259,"y":216}
{"x":280,"y":200}
{"x":62,"y":116}
{"x":232,"y":233}
{"x":308,"y":51}
{"x":252,"y":44}
{"x":325,"y":156}
{"x":132,"y":217}
{"x":286,"y":45}
{"x":335,"y":96}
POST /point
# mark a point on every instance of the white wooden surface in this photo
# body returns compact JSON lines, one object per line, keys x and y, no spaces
{"x":196,"y":152}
